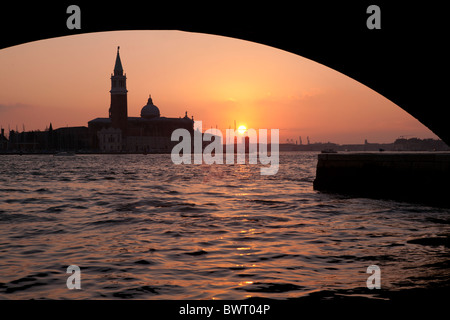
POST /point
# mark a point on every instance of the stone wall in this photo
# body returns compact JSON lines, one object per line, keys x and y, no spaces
{"x":417,"y":177}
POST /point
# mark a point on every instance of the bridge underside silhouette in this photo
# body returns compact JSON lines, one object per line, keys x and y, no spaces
{"x":406,"y":60}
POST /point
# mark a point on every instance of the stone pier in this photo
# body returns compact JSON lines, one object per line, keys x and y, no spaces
{"x":415,"y":177}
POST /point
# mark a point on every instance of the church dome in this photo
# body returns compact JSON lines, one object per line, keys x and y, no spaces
{"x":150,"y":110}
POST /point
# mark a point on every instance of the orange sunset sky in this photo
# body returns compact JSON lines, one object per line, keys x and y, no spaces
{"x":66,"y":81}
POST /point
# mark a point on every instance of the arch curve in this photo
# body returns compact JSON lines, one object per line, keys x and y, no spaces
{"x":405,"y":61}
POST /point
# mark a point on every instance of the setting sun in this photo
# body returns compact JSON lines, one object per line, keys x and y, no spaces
{"x":242,"y":129}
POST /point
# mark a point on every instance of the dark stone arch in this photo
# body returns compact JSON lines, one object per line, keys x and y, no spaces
{"x":406,"y":61}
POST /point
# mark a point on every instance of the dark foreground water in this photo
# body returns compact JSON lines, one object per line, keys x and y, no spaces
{"x":140,"y":227}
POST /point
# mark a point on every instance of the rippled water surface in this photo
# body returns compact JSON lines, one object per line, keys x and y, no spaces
{"x":140,"y":227}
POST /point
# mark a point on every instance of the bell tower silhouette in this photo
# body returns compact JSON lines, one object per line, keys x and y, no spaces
{"x":118,"y":111}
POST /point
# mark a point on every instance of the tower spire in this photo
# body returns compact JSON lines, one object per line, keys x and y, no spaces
{"x":118,"y":69}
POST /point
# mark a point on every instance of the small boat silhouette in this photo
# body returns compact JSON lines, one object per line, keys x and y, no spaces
{"x":329,"y":151}
{"x":64,"y":154}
